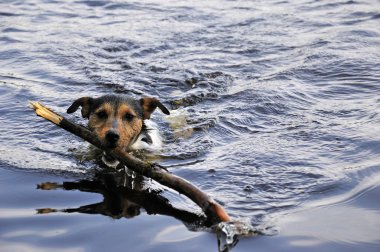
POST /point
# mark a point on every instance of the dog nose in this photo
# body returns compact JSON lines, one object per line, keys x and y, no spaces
{"x":112,"y":137}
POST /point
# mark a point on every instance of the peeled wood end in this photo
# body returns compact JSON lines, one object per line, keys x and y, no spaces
{"x":45,"y":112}
{"x":220,"y":212}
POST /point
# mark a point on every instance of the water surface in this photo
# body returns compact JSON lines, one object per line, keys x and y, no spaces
{"x":275,"y":104}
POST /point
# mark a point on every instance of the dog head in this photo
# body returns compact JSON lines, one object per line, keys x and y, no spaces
{"x":116,"y":120}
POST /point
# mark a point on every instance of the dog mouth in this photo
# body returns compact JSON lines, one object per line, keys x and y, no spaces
{"x":110,"y":145}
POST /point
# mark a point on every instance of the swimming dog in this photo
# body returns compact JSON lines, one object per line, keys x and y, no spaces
{"x":121,"y":122}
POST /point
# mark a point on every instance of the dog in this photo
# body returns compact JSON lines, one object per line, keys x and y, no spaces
{"x":121,"y":122}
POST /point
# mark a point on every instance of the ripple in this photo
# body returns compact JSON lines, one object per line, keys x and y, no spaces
{"x":279,"y":101}
{"x":8,"y":14}
{"x":96,"y":3}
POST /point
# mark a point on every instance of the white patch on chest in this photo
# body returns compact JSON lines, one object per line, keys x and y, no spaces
{"x":152,"y":131}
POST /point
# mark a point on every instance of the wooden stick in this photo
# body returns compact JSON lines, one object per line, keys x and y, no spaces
{"x":214,"y":212}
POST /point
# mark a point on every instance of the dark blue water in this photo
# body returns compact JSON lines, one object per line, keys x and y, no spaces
{"x":275,"y":104}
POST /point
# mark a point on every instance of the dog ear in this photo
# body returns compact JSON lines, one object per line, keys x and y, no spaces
{"x":149,"y":105}
{"x":85,"y":103}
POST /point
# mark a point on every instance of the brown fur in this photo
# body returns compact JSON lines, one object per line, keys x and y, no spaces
{"x":149,"y":105}
{"x":128,"y":130}
{"x":122,"y":116}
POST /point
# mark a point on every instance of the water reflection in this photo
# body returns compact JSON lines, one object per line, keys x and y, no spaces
{"x":124,"y":196}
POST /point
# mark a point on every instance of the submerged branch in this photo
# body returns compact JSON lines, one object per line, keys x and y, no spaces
{"x":214,"y":212}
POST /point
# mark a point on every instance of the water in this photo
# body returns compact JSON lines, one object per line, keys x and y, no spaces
{"x":275,"y":104}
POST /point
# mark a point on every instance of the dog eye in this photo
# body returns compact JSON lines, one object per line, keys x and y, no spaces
{"x":102,"y":114}
{"x":128,"y":117}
